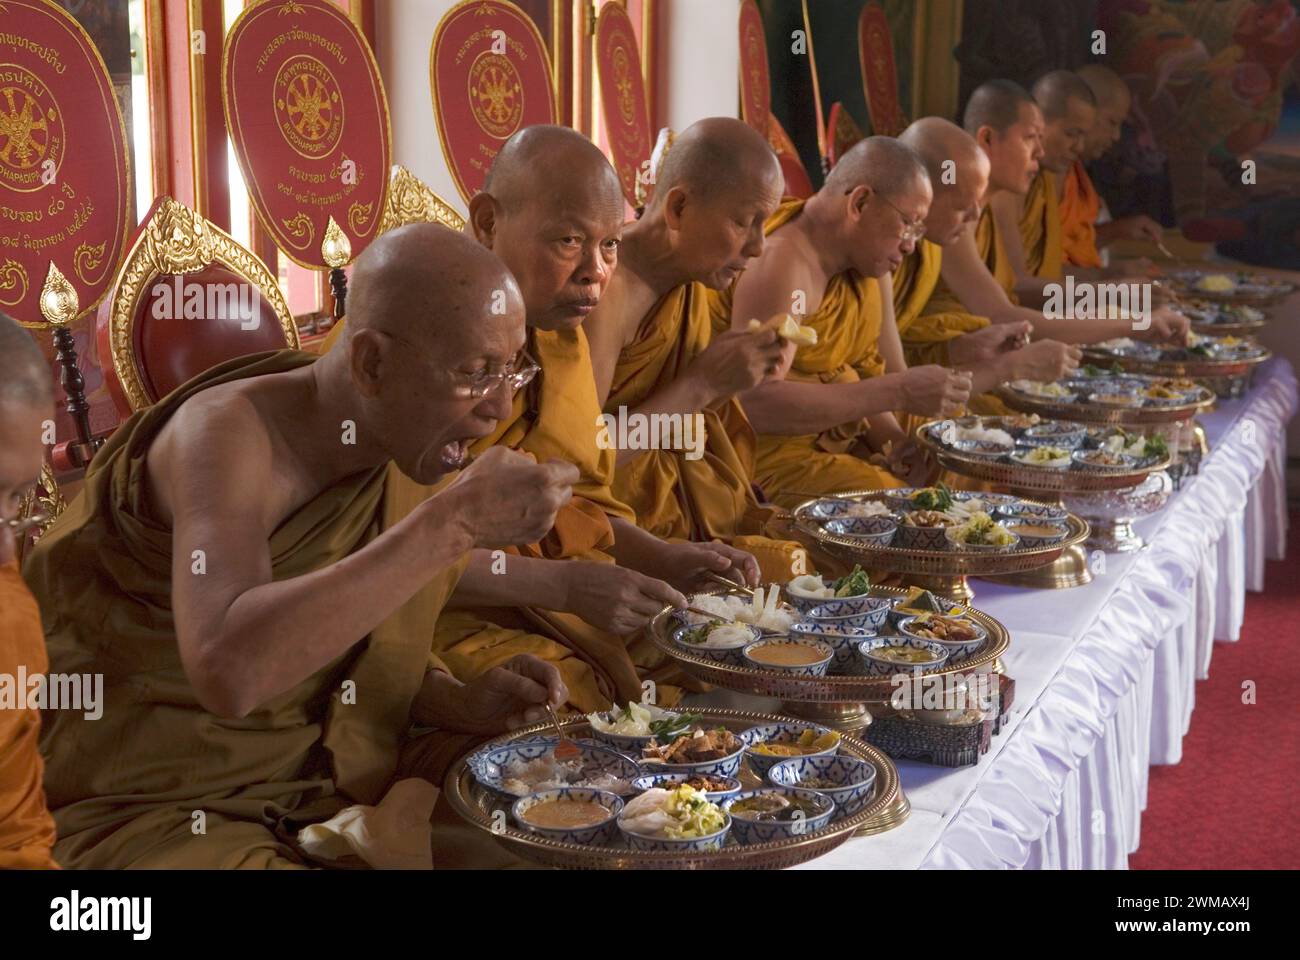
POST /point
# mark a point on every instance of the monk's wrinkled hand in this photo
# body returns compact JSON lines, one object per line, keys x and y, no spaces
{"x":512,"y":695}
{"x":688,"y":565}
{"x":909,"y":462}
{"x":934,"y":391}
{"x":984,"y":346}
{"x":615,"y":599}
{"x":738,"y":360}
{"x":1045,"y":360}
{"x":1167,"y":326}
{"x":506,"y":498}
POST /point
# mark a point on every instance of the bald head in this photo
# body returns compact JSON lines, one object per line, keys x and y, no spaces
{"x":1069,"y":112}
{"x":884,"y":163}
{"x":959,"y":175}
{"x":717,"y":156}
{"x":539,"y":162}
{"x":24,"y":374}
{"x":996,"y":104}
{"x":1113,"y":103}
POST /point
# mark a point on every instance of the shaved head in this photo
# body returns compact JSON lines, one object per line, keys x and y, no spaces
{"x":552,"y":209}
{"x":959,"y":175}
{"x":996,"y":104}
{"x":1106,"y":85}
{"x":1069,"y":113}
{"x":715,"y":156}
{"x":1054,"y":91}
{"x":1113,"y":103}
{"x":884,"y":163}
{"x":24,"y":374}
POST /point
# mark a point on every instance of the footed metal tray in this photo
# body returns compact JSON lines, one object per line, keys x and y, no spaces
{"x":483,"y":808}
{"x":1191,"y":369}
{"x":1105,"y":413}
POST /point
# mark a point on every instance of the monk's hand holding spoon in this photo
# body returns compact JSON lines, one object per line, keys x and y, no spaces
{"x":934,"y":391}
{"x":512,"y":695}
{"x":981,"y":347}
{"x":1167,"y":326}
{"x":739,"y":360}
{"x":687,"y":565}
{"x":507,"y":498}
{"x":615,"y":599}
{"x":1045,"y":360}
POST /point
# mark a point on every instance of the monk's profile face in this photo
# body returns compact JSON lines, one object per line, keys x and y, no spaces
{"x":885,"y":229}
{"x":717,"y":236}
{"x":957,"y":204}
{"x":1014,"y":154}
{"x":1065,"y":137}
{"x":561,"y":244}
{"x":21,"y":456}
{"x":1106,"y":129}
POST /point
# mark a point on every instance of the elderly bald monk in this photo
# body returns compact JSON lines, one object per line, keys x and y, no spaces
{"x":988,"y":346}
{"x":654,"y":352}
{"x":268,"y":561}
{"x":831,"y":407}
{"x":26,"y":403}
{"x":552,"y":209}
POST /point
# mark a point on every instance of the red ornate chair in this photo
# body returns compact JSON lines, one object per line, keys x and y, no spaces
{"x":841,"y":132}
{"x":797,"y":182}
{"x":187,"y":298}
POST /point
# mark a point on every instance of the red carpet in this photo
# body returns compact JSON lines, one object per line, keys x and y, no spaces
{"x":1232,"y":803}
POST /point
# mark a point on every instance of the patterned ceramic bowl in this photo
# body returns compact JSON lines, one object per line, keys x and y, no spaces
{"x":982,"y":448}
{"x":492,"y":768}
{"x":728,"y":766}
{"x":1038,"y":533}
{"x":1086,"y":461}
{"x":958,"y":650}
{"x":868,"y":612}
{"x":881,"y":665}
{"x":855,"y":779}
{"x":1023,"y":509}
{"x":777,"y":733}
{"x":831,"y":508}
{"x":816,"y":668}
{"x":1056,"y":433}
{"x":909,"y":537}
{"x":955,"y":544}
{"x":628,"y":745}
{"x":713,"y":841}
{"x":728,"y":653}
{"x":601,"y":833}
{"x":762,"y":831}
{"x":841,"y":639}
{"x":670,"y":781}
{"x":872,"y":531}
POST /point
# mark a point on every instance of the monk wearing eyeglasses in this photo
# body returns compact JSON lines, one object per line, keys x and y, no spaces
{"x":26,"y":403}
{"x":256,"y":562}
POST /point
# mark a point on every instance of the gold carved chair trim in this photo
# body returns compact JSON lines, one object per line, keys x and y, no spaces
{"x":45,"y":497}
{"x":176,"y":240}
{"x":411,"y":201}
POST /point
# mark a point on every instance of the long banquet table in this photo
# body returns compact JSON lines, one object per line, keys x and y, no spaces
{"x":1105,"y":673}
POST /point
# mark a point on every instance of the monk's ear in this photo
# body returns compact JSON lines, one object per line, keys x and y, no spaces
{"x":984,"y":137}
{"x":483,"y":218}
{"x":364,"y":361}
{"x":674,"y":206}
{"x":858,"y":198}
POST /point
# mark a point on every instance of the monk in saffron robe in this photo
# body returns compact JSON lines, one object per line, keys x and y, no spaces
{"x":255,"y":563}
{"x":655,"y":354}
{"x":832,"y":406}
{"x":26,"y":402}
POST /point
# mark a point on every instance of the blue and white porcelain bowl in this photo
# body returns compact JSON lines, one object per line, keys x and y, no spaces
{"x":728,"y":766}
{"x":901,"y":498}
{"x":843,"y":641}
{"x":909,"y":537}
{"x":711,"y":842}
{"x":829,"y":508}
{"x":866,"y":611}
{"x":1027,"y":510}
{"x":600,"y":834}
{"x":855,"y":779}
{"x":1056,"y":433}
{"x":1038,"y":537}
{"x":1081,"y":457}
{"x":627,"y":744}
{"x":872,"y":531}
{"x":760,"y":763}
{"x":765,"y":831}
{"x":729,"y":653}
{"x":955,"y":544}
{"x":671,"y":781}
{"x":990,"y":449}
{"x":958,"y":650}
{"x":491,"y":767}
{"x":881,"y":666}
{"x":817,"y":668}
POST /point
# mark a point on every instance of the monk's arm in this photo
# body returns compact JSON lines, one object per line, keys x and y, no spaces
{"x":890,"y":344}
{"x":517,"y":581}
{"x":243,"y":638}
{"x":1006,"y":210}
{"x":604,"y":330}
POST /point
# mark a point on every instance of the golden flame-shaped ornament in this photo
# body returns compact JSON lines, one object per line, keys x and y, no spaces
{"x":335,"y":248}
{"x":59,"y":304}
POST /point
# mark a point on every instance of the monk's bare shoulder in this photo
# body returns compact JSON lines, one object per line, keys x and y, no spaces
{"x":771,"y":284}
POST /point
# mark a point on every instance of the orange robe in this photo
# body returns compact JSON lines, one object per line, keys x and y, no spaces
{"x":1079,"y":208}
{"x":26,"y":827}
{"x":1040,"y":228}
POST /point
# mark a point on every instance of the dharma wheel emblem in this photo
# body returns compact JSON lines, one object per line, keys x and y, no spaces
{"x":496,"y":96}
{"x":308,"y":106}
{"x":31,"y":130}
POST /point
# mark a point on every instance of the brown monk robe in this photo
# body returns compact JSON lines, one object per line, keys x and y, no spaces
{"x":268,"y":560}
{"x":655,"y":355}
{"x":830,"y":406}
{"x":26,"y":402}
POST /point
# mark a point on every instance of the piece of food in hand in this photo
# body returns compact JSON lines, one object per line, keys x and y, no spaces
{"x":792,"y":330}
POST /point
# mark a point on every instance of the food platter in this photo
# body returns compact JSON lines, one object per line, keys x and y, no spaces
{"x":1078,"y":405}
{"x":1225,"y":286}
{"x":1205,"y":357}
{"x":1219,"y":318}
{"x":944,"y":571}
{"x":490,"y":812}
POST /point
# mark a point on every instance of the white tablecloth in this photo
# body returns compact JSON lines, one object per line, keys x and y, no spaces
{"x":1105,"y":673}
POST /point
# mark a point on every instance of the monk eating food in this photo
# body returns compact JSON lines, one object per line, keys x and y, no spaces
{"x":553,"y":211}
{"x":654,"y":352}
{"x":26,"y":403}
{"x":830,"y":407}
{"x":255,"y":563}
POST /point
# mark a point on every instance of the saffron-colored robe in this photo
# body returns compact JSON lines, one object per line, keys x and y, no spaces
{"x":791,"y":469}
{"x":157,"y":781}
{"x":1080,"y":205}
{"x":1040,"y":228}
{"x":26,"y":827}
{"x":673,"y":496}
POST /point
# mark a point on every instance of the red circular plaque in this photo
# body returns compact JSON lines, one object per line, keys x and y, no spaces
{"x":64,"y":167}
{"x":622,"y":92}
{"x":489,"y":77}
{"x":308,"y":119}
{"x":755,"y":87}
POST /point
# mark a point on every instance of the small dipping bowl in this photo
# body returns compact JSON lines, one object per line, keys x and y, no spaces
{"x":760,"y":763}
{"x":958,"y":650}
{"x":841,"y":639}
{"x":731,"y":653}
{"x":878,"y":666}
{"x":601,"y":833}
{"x":816,"y":668}
{"x":873,"y":531}
{"x":855,"y":779}
{"x":671,"y":781}
{"x":764,"y":831}
{"x":1038,"y":533}
{"x":712,"y":841}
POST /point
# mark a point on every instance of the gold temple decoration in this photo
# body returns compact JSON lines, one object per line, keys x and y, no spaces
{"x":59,"y":304}
{"x":176,"y":240}
{"x":335,"y":248}
{"x":411,"y":201}
{"x":45,"y":495}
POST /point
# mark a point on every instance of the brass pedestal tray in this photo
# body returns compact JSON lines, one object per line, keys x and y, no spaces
{"x":1101,"y":497}
{"x":1227,"y":378}
{"x":943,"y":572}
{"x":1196,"y":312}
{"x":843,"y":702}
{"x":490,"y":811}
{"x":1089,"y":412}
{"x":1272,"y":290}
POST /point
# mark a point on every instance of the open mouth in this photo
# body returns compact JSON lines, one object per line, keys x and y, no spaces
{"x":455,"y":455}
